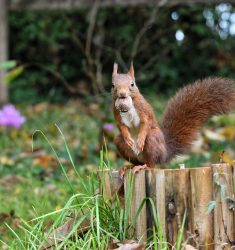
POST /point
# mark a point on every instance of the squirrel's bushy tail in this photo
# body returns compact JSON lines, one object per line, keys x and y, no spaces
{"x":190,"y":107}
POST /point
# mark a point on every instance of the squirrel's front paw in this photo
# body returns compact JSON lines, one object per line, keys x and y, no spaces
{"x":140,"y":144}
{"x":130,"y":142}
{"x":135,"y":150}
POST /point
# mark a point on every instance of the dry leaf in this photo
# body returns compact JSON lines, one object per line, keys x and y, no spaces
{"x":181,"y":158}
{"x":198,"y":145}
{"x":60,"y":233}
{"x":10,"y":218}
{"x":44,"y":161}
{"x":10,"y":180}
{"x":17,"y":191}
{"x":228,"y":133}
{"x":213,"y":136}
{"x":48,"y":161}
{"x":38,"y":108}
{"x":226,"y":158}
{"x":112,"y":155}
{"x":45,"y":189}
{"x":189,"y":247}
{"x":126,"y":245}
{"x":6,"y":161}
{"x":58,"y":207}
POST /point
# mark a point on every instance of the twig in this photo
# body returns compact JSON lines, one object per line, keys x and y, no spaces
{"x":75,"y":38}
{"x":91,"y":27}
{"x":141,"y":33}
{"x":56,"y":74}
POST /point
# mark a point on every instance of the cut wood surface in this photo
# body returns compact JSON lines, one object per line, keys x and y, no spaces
{"x":189,"y":192}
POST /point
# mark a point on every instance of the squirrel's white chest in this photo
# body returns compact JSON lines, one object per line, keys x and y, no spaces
{"x":130,"y":118}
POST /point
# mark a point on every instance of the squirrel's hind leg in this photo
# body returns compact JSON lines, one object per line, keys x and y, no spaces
{"x":154,"y":148}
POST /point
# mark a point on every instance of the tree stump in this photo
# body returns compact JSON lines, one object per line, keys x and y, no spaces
{"x":203,"y":196}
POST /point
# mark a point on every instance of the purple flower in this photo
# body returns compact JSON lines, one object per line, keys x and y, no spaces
{"x":11,"y":117}
{"x":108,"y":127}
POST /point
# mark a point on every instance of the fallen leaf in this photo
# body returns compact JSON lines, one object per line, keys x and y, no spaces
{"x":48,"y":161}
{"x":10,"y":218}
{"x":112,"y":155}
{"x":38,"y":108}
{"x":213,"y":136}
{"x":17,"y":191}
{"x":6,"y":161}
{"x":45,"y":189}
{"x":10,"y":180}
{"x":228,"y":132}
{"x":181,"y":158}
{"x":58,"y":207}
{"x":3,"y":217}
{"x":198,"y":145}
{"x":16,"y":223}
{"x":189,"y":247}
{"x":44,"y":161}
{"x":126,"y":245}
{"x":60,"y":233}
{"x":225,"y":157}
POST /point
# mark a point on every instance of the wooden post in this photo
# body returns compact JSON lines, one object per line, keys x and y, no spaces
{"x":223,"y":216}
{"x":155,"y":189}
{"x":177,"y":202}
{"x":176,"y":192}
{"x":201,"y":195}
{"x":111,"y":183}
{"x":170,"y":190}
{"x":3,"y":48}
{"x":134,"y":186}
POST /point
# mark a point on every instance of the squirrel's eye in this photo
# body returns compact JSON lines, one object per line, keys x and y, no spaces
{"x":132,"y":85}
{"x":112,"y":85}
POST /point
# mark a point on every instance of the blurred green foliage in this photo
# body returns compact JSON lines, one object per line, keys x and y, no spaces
{"x":71,"y":53}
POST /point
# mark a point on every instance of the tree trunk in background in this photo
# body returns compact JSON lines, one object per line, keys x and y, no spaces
{"x":3,"y":48}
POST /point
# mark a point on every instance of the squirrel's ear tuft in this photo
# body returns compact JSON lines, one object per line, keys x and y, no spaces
{"x":131,"y":71}
{"x":115,"y":68}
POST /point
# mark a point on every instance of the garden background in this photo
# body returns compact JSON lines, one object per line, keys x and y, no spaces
{"x":59,"y":79}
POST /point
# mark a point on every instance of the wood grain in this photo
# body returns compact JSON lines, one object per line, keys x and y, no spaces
{"x":201,"y":194}
{"x":177,"y":202}
{"x":176,"y":192}
{"x":138,"y":195}
{"x":223,"y":216}
{"x":111,"y":183}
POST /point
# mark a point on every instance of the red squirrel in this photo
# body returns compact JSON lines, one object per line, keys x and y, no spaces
{"x":142,"y":140}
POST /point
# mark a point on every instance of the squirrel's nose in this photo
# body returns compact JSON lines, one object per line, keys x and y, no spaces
{"x":122,"y":95}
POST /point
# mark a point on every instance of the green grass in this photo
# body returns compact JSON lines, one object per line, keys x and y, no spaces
{"x":48,"y":190}
{"x":108,"y":220}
